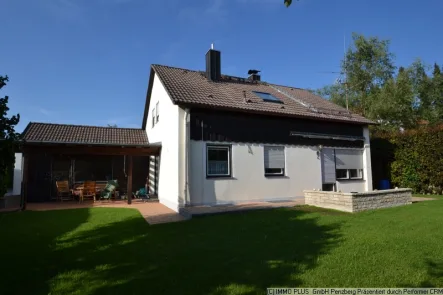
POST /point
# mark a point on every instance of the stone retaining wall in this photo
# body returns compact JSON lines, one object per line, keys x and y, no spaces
{"x":355,"y":202}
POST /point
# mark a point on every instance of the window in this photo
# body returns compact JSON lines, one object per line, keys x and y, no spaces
{"x":341,"y":174}
{"x":274,"y":157}
{"x":157,"y":114}
{"x":218,"y":161}
{"x":328,"y":187}
{"x":349,"y":164}
{"x":153,"y":117}
{"x":267,"y":96}
{"x":356,"y":173}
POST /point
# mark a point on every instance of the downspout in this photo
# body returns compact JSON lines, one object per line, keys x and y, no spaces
{"x":187,"y":143}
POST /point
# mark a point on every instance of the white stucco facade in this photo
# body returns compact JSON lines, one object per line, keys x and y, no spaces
{"x":165,"y":132}
{"x":17,"y":177}
{"x":303,"y":170}
{"x":248,"y":182}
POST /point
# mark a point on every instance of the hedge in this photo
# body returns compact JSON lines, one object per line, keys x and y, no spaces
{"x":417,"y":160}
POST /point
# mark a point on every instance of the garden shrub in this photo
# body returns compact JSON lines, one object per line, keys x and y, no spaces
{"x":418,"y":159}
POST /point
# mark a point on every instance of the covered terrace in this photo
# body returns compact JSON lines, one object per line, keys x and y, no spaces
{"x":53,"y":153}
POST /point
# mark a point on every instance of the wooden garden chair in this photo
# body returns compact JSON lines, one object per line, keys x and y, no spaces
{"x":89,"y":190}
{"x":64,"y":193}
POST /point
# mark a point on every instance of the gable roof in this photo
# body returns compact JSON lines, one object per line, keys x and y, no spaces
{"x":88,"y":135}
{"x":192,"y":88}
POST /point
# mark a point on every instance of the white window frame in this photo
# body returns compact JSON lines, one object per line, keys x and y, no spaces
{"x":340,"y":178}
{"x":348,"y":174}
{"x":153,"y":117}
{"x":359,"y":172}
{"x":218,"y":147}
{"x":282,"y":170}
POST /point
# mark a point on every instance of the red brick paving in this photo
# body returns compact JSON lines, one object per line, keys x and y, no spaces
{"x":153,"y":212}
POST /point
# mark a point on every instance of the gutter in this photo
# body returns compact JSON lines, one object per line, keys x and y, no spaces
{"x":91,"y":144}
{"x":187,"y":149}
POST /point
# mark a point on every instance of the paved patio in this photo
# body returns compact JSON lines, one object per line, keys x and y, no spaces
{"x":420,"y":199}
{"x":208,"y":210}
{"x":156,"y":213}
{"x":153,"y":212}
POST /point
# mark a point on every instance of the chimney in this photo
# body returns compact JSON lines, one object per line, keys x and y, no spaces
{"x":253,"y":75}
{"x":213,"y":67}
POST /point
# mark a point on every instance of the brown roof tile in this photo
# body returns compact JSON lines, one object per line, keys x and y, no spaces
{"x":78,"y":134}
{"x":187,"y":87}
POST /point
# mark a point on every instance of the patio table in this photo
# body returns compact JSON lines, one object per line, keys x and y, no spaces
{"x":80,"y":192}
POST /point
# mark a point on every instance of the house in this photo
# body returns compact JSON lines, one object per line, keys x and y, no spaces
{"x":227,"y":140}
{"x":217,"y":139}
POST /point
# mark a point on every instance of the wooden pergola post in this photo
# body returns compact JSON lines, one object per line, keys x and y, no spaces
{"x":129,"y":190}
{"x":24,"y":188}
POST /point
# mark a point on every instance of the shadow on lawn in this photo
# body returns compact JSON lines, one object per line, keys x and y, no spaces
{"x":435,"y":274}
{"x":27,"y":246}
{"x":226,"y":254}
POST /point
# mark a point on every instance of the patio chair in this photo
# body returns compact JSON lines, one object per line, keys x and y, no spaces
{"x":64,"y":193}
{"x":109,"y":190}
{"x":89,"y":190}
{"x":142,"y":194}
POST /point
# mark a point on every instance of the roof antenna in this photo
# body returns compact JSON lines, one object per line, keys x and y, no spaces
{"x":212,"y":46}
{"x":345,"y":70}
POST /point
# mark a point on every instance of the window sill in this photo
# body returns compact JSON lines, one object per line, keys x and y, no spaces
{"x":349,"y":179}
{"x":220,"y":177}
{"x":275,"y":176}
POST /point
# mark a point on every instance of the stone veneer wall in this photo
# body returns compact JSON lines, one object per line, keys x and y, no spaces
{"x":355,"y":202}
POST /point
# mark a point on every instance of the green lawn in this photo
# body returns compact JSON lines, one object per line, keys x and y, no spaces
{"x":114,"y":251}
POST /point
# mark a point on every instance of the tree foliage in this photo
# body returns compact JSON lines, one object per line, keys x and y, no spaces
{"x":8,"y":139}
{"x":373,"y":88}
{"x":418,"y":159}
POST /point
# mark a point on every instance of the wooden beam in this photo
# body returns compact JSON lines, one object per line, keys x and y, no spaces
{"x":129,"y":190}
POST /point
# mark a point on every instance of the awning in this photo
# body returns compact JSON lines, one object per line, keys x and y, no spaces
{"x":327,"y":136}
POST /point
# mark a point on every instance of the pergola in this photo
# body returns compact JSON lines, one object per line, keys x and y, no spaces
{"x":29,"y":150}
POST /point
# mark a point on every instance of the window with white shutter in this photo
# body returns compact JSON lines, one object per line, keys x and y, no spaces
{"x":349,"y":164}
{"x":274,"y":158}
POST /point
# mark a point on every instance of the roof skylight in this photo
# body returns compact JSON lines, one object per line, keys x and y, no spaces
{"x":267,"y":96}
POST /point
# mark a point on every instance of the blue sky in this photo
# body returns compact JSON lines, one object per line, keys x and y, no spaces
{"x":87,"y":61}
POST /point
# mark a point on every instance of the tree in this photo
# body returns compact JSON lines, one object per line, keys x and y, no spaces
{"x":392,"y":104}
{"x":8,"y":139}
{"x":288,"y":2}
{"x":436,"y":92}
{"x":367,"y":66}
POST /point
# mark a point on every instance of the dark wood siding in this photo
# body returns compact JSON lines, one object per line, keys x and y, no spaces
{"x":242,"y":127}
